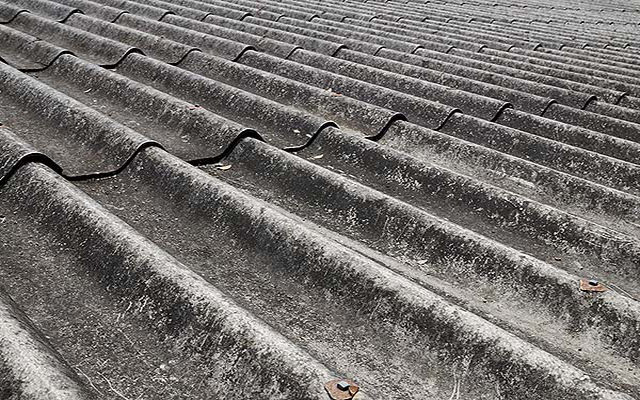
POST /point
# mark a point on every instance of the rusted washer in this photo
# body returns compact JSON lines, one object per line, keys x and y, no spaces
{"x":341,"y":389}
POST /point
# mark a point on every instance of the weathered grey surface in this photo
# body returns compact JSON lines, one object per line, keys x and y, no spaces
{"x":252,"y":198}
{"x":29,"y":367}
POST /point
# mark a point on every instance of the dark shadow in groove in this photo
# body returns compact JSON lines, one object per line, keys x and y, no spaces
{"x":248,"y":48}
{"x":119,"y":15}
{"x":375,"y":53}
{"x":313,"y":138}
{"x":247,"y":133}
{"x":292,"y":51}
{"x":546,"y":108}
{"x":537,"y":46}
{"x":185,"y":56}
{"x":44,"y":67}
{"x":454,"y":111}
{"x":245,"y":16}
{"x":418,"y":47}
{"x":341,"y":47}
{"x":205,"y":17}
{"x":14,"y":17}
{"x":76,"y":11}
{"x":589,"y":100}
{"x":165,"y":14}
{"x":385,"y":128}
{"x":133,"y":50}
{"x":98,"y":175}
{"x":498,"y":113}
{"x":28,"y":159}
{"x":622,"y":96}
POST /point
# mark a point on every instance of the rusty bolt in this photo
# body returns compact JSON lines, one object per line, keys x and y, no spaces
{"x":591,"y":285}
{"x":341,"y":389}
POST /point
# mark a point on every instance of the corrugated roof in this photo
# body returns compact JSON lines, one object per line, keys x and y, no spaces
{"x":308,"y":199}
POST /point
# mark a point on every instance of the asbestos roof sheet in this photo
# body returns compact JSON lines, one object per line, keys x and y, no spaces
{"x":309,"y":199}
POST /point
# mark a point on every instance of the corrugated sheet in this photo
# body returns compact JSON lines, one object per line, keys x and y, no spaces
{"x":319,"y":199}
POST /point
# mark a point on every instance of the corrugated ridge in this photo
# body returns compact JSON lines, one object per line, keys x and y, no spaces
{"x":103,"y":144}
{"x":183,"y":303}
{"x":29,"y":366}
{"x":616,"y":98}
{"x":373,"y":281}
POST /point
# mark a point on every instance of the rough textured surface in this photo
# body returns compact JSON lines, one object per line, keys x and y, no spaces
{"x":258,"y":198}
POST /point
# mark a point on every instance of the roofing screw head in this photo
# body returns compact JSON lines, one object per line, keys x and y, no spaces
{"x":342,"y":385}
{"x":593,"y":282}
